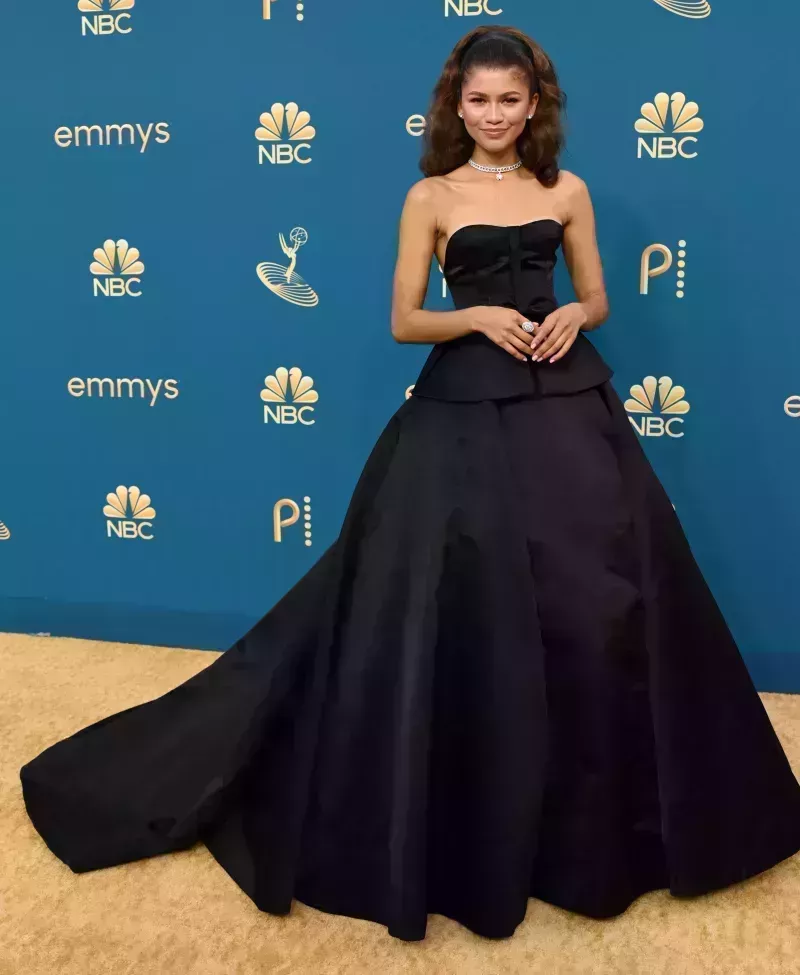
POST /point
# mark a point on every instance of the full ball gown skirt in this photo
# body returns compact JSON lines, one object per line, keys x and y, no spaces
{"x":505,"y":678}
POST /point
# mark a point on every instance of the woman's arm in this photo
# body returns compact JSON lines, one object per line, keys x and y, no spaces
{"x":417,"y":236}
{"x":581,"y":255}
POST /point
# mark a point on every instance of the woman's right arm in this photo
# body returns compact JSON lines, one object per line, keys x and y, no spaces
{"x":410,"y":323}
{"x":417,"y":236}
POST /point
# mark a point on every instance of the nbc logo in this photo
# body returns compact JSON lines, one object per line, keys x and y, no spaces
{"x":647,"y":270}
{"x":106,"y":17}
{"x":286,"y":512}
{"x":695,"y":9}
{"x":116,"y":267}
{"x":470,"y":8}
{"x":282,"y":279}
{"x":295,"y":130}
{"x":5,"y":532}
{"x":288,"y":396}
{"x":671,"y":403}
{"x":129,"y":514}
{"x":657,"y":116}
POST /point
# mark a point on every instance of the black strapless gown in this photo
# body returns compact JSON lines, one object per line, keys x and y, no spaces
{"x":506,"y":677}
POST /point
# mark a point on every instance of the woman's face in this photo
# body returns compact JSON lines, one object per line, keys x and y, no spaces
{"x":495,"y":103}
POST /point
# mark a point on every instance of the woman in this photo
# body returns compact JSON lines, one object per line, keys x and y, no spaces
{"x":507,"y":676}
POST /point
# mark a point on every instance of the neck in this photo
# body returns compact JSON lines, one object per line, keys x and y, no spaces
{"x":505,"y":157}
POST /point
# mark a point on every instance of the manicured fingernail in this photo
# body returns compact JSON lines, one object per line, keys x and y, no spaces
{"x":553,"y":359}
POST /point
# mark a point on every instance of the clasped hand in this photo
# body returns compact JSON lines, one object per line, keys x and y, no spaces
{"x":550,"y":340}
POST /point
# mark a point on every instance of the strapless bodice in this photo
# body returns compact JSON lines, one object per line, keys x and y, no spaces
{"x":511,"y":266}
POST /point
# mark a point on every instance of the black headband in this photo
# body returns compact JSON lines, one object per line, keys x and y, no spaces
{"x":521,"y":46}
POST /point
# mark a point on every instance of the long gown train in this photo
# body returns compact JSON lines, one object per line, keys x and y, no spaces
{"x":493,"y":685}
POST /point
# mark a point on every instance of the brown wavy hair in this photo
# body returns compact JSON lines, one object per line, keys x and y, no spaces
{"x":446,"y":142}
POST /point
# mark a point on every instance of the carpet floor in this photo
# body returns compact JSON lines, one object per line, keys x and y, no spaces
{"x":180,"y":914}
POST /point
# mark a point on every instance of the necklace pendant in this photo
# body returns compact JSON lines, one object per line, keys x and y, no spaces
{"x":499,"y":175}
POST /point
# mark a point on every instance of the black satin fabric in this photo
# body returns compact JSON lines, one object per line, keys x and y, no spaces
{"x":512,"y":267}
{"x":506,"y":678}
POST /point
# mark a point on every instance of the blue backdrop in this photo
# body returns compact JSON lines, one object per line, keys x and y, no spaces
{"x":198,"y":197}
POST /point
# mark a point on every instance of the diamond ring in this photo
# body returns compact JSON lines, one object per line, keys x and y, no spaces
{"x":527,"y":326}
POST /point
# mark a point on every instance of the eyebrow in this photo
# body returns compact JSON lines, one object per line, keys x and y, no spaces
{"x":514,"y":91}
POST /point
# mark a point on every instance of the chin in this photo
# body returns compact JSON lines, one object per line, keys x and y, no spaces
{"x":497,"y":146}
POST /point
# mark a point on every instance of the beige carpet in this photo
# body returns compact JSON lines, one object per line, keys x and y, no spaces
{"x":181,"y":914}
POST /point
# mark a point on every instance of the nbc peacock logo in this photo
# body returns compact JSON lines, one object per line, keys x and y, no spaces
{"x":671,"y":404}
{"x":693,"y":9}
{"x":288,"y":396}
{"x":288,"y":132}
{"x":5,"y":532}
{"x":104,"y":17}
{"x":116,"y":269}
{"x":282,"y":279}
{"x":672,"y":123}
{"x":129,"y":514}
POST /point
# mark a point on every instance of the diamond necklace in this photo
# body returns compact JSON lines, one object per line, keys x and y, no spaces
{"x":498,"y":170}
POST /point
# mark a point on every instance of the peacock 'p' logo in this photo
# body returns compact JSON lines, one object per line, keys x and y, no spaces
{"x":289,"y":131}
{"x":657,"y":396}
{"x":129,"y":513}
{"x":288,"y":396}
{"x":673,"y":122}
{"x":5,"y":532}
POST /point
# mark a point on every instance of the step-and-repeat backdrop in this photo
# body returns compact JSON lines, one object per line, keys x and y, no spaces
{"x":183,"y":425}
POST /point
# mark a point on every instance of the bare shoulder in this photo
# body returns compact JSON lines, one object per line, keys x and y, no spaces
{"x":424,"y":203}
{"x":571,"y":184}
{"x":425,"y":192}
{"x":576,"y":197}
